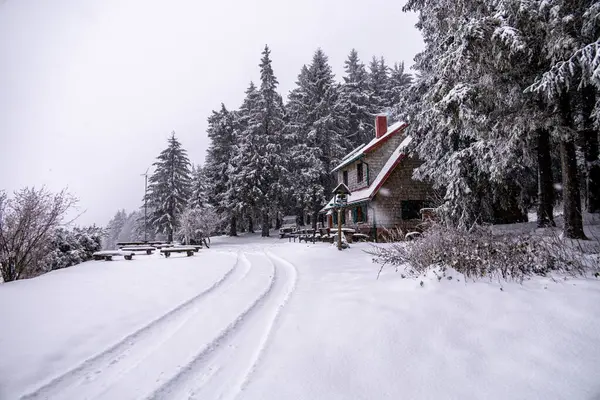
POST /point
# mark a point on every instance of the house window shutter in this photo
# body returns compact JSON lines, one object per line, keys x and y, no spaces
{"x":355,"y":215}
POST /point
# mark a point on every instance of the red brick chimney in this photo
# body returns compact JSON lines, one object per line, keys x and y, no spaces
{"x":380,"y":126}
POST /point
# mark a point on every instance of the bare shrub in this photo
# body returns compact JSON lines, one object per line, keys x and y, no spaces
{"x":27,"y":224}
{"x":479,"y":252}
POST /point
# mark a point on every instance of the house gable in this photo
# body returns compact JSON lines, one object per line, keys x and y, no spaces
{"x":370,"y":159}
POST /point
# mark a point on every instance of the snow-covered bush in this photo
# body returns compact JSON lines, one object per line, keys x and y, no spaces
{"x":479,"y":252}
{"x":71,"y":247}
{"x":197,"y":223}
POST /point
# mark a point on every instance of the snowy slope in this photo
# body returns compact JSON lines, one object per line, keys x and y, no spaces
{"x":58,"y":320}
{"x":270,"y":319}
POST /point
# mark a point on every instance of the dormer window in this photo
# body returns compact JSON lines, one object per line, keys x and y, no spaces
{"x":359,"y":172}
{"x":345,"y":177}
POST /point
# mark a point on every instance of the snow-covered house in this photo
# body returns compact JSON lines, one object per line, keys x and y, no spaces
{"x":379,"y":176}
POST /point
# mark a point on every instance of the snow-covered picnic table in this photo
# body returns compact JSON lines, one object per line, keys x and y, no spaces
{"x":148,"y":249}
{"x":107,"y":255}
{"x":189,"y":250}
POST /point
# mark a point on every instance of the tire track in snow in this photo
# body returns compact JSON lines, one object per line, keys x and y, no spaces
{"x":217,"y":315}
{"x":294,"y":275}
{"x":176,"y":317}
{"x":224,"y":367}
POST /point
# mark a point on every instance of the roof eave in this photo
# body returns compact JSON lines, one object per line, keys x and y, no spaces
{"x":346,"y":163}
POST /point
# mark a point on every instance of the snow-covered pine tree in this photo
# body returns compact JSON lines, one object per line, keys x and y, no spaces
{"x":128,"y":232}
{"x":320,"y":127}
{"x":468,"y":107}
{"x":354,"y":101}
{"x":142,"y":229}
{"x":378,"y":83}
{"x":218,"y":164}
{"x":199,"y":197}
{"x":240,"y":199}
{"x":398,"y":83}
{"x":260,"y":155}
{"x":297,"y":126}
{"x":169,"y":188}
{"x":113,"y":229}
{"x":570,"y":85}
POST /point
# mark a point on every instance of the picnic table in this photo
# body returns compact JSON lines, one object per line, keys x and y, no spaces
{"x":306,"y":235}
{"x":148,"y":249}
{"x":189,"y":250}
{"x":107,"y":255}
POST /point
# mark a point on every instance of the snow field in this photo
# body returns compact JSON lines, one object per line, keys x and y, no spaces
{"x":255,"y":318}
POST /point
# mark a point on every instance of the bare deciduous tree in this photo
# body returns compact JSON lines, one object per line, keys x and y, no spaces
{"x":26,"y":224}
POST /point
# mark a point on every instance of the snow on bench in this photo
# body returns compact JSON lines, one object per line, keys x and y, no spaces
{"x":360,"y":237}
{"x":107,"y":255}
{"x":168,"y":250}
{"x":148,"y":249}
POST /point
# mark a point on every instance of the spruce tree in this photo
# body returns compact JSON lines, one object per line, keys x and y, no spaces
{"x":468,"y":106}
{"x":259,"y":157}
{"x":114,"y":228}
{"x":319,"y":128}
{"x":570,"y":41}
{"x":354,"y":101}
{"x":218,"y":165}
{"x":169,"y":188}
{"x":240,"y":197}
{"x":378,"y":85}
{"x":199,"y":195}
{"x":398,"y":83}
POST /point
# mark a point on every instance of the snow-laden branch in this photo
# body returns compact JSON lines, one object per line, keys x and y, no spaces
{"x":582,"y":68}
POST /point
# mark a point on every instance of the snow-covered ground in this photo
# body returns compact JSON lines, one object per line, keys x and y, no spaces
{"x":254,"y":318}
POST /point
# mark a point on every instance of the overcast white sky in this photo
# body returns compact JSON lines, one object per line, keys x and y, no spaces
{"x":90,"y":90}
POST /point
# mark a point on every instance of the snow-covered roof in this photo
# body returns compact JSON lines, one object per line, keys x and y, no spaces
{"x":369,"y":192}
{"x":372,"y":145}
{"x":353,"y":152}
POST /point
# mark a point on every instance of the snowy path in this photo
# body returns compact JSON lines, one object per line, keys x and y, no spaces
{"x":206,"y":348}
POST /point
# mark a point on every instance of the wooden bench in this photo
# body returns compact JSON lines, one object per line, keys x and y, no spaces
{"x":326,"y":235}
{"x":308,"y":235}
{"x":168,"y":250}
{"x":360,"y":237}
{"x":148,"y":249}
{"x":162,"y":245}
{"x":107,"y":255}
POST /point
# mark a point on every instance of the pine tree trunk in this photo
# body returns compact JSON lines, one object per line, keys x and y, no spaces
{"x":277,"y":221}
{"x":169,"y":235}
{"x":589,"y":141}
{"x":250,"y":224}
{"x":573,"y":228}
{"x":314,"y":218}
{"x":242,"y":227}
{"x":300,"y":216}
{"x":545,"y":207}
{"x":233,"y":226}
{"x":265,"y":223}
